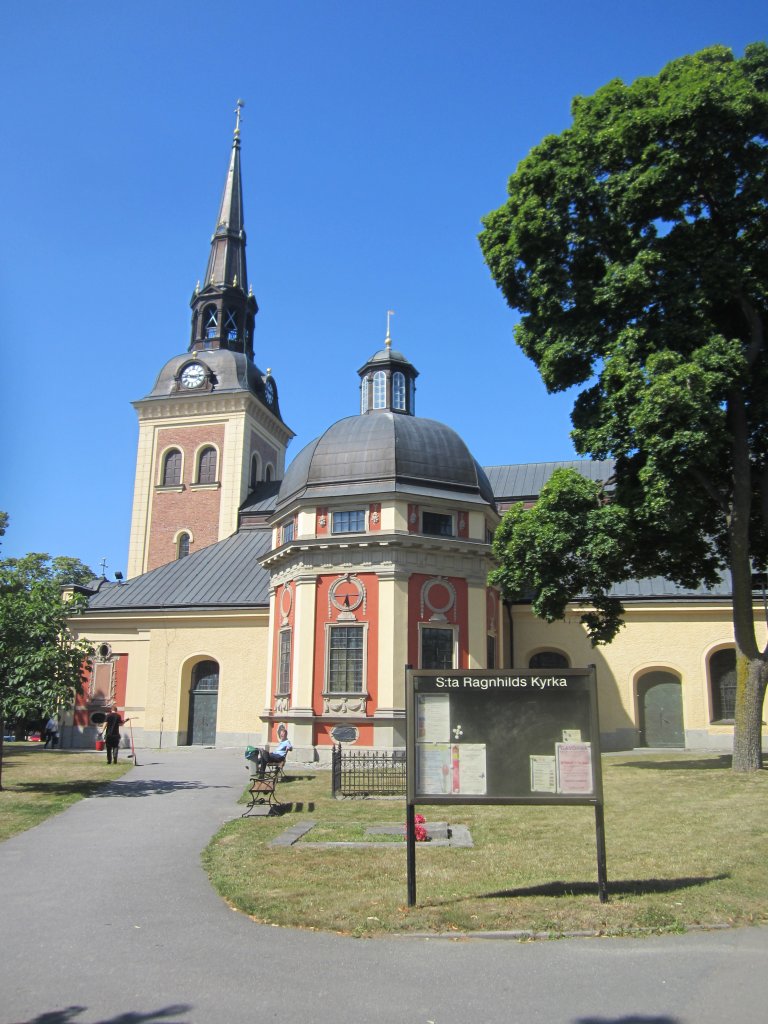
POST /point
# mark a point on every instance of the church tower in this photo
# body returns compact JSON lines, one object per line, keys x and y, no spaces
{"x":210,"y":431}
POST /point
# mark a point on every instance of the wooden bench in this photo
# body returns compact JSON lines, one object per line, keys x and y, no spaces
{"x":263,"y":786}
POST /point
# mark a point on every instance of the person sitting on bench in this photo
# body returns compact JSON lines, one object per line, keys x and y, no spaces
{"x":276,"y":756}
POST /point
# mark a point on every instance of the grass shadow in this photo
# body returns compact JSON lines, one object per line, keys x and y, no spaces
{"x":721,"y":762}
{"x":625,"y":887}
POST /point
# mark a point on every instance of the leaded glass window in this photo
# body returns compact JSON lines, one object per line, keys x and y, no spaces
{"x":284,"y":671}
{"x":345,"y":659}
{"x":436,"y":647}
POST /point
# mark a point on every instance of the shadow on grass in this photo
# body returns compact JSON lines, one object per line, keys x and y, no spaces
{"x":628,"y":887}
{"x":722,"y":761}
{"x":71,"y":1013}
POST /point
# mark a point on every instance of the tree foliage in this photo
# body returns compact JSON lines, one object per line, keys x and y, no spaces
{"x":41,"y":663}
{"x":635,"y":246}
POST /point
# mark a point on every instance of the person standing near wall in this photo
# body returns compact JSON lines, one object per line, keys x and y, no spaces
{"x":112,"y":734}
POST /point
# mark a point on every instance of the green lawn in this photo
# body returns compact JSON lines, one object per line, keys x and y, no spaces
{"x":686,"y":846}
{"x":38,"y":783}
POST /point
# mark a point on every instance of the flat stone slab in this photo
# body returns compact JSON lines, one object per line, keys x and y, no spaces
{"x":440,"y":833}
{"x":293,"y":834}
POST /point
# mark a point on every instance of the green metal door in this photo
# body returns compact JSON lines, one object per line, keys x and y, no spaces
{"x":204,"y":704}
{"x":660,"y":700}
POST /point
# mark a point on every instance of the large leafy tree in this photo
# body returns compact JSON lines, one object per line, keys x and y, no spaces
{"x":41,"y":663}
{"x":635,"y":246}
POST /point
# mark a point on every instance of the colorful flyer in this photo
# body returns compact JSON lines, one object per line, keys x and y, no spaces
{"x":574,"y":767}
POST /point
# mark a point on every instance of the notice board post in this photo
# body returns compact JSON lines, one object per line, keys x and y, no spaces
{"x":505,"y":736}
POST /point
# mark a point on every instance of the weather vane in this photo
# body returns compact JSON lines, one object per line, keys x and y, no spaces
{"x":388,"y":339}
{"x":238,"y":108}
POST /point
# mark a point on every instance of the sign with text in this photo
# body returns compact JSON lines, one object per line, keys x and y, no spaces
{"x":504,"y":736}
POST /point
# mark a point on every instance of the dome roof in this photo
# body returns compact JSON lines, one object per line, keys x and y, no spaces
{"x":382,"y":453}
{"x":232,"y":371}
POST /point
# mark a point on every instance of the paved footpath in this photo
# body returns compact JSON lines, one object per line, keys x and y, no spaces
{"x":106,"y":917}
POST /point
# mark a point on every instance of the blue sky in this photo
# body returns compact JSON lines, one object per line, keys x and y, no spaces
{"x":375,"y":137}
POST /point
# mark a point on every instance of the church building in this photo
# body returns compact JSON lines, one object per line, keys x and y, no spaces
{"x":260,"y":595}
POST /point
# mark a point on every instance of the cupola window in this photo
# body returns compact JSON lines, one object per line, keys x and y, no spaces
{"x":398,"y":391}
{"x":379,"y":390}
{"x":364,"y":395}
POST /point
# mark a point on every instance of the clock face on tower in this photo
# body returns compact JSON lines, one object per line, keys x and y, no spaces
{"x":193,"y":376}
{"x":269,"y":391}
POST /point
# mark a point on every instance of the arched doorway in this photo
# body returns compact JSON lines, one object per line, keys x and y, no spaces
{"x":660,"y":704}
{"x":203,"y":703}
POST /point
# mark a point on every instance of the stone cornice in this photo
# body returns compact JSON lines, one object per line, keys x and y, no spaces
{"x":178,"y":408}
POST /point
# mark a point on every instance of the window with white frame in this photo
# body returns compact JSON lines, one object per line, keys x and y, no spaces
{"x":348,"y":521}
{"x":437,"y":647}
{"x":345,"y":659}
{"x":284,"y":667}
{"x":379,"y":390}
{"x":398,"y":390}
{"x":288,"y":531}
{"x":364,"y":395}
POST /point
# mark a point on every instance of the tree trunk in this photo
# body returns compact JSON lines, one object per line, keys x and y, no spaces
{"x":751,"y":675}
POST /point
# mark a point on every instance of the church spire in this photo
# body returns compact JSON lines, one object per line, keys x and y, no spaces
{"x":224,"y":309}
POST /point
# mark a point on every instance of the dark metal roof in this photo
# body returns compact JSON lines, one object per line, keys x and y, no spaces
{"x":262,"y":498}
{"x":516,"y":483}
{"x":232,"y":371}
{"x":657,"y":588}
{"x":223,"y":575}
{"x":385,"y":452}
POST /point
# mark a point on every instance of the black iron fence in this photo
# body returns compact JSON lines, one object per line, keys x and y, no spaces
{"x":367,"y":772}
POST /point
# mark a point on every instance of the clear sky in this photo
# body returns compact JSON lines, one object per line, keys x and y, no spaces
{"x":376,"y":134}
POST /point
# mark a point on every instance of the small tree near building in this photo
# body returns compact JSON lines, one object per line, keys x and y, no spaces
{"x":634,"y":245}
{"x":41,"y":664}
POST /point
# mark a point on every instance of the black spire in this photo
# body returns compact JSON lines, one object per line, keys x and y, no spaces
{"x":223,"y":311}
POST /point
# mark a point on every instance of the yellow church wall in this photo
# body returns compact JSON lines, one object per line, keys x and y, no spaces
{"x":163,"y":650}
{"x":676,"y":638}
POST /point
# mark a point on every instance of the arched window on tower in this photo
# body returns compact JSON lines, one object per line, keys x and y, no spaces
{"x":255,"y":471}
{"x":364,"y":395}
{"x":230,"y":324}
{"x":172,"y":468}
{"x":268,"y":473}
{"x":182,"y":545}
{"x":379,"y":390}
{"x":398,"y":391}
{"x":206,"y":471}
{"x":211,"y":322}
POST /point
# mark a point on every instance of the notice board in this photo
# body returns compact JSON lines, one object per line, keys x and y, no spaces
{"x":503,"y":736}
